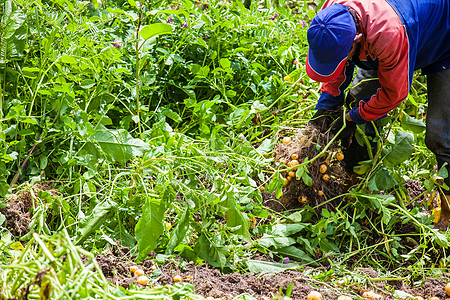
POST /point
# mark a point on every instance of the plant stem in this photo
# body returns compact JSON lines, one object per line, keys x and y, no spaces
{"x":138,"y":68}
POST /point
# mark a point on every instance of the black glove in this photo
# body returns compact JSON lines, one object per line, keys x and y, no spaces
{"x":323,"y":119}
{"x":346,"y":135}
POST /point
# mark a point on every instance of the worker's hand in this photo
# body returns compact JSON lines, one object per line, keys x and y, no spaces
{"x":323,"y":119}
{"x":346,"y":135}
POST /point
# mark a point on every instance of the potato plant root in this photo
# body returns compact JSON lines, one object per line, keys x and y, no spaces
{"x":307,"y":143}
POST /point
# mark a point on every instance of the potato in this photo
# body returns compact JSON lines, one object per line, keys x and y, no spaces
{"x":447,"y":289}
{"x":314,"y":295}
{"x":294,"y":156}
{"x":142,"y":280}
{"x":177,"y":278}
{"x":343,"y":297}
{"x":326,"y":177}
{"x":139,"y":272}
{"x":323,"y":169}
{"x":339,"y":156}
{"x":371,"y":295}
{"x":320,"y":193}
{"x":292,"y":163}
{"x":133,"y":269}
{"x":303,"y":199}
{"x":286,"y":140}
{"x":291,"y":174}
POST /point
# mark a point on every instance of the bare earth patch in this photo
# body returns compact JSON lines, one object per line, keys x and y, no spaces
{"x":210,"y":282}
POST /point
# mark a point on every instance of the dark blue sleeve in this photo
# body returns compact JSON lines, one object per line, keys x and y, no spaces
{"x":329,"y":102}
{"x":356,"y":116}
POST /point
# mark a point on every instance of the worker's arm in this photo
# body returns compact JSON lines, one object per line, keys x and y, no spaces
{"x":332,"y":95}
{"x":394,"y":74}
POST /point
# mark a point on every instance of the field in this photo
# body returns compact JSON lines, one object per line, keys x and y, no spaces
{"x":174,"y":136}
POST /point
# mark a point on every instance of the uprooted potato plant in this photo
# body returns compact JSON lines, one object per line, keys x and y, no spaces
{"x":311,"y":164}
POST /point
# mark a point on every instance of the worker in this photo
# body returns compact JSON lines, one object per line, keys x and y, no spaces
{"x":387,"y":40}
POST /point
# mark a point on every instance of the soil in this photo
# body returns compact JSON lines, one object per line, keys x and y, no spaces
{"x":18,"y":208}
{"x":210,"y":282}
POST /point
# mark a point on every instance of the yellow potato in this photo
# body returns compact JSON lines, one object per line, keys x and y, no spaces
{"x":314,"y":295}
{"x":142,"y":280}
{"x":371,"y":295}
{"x":303,"y":199}
{"x":447,"y":289}
{"x":286,"y":140}
{"x":177,"y":278}
{"x":323,"y":169}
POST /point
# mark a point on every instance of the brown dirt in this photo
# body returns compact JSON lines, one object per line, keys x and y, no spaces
{"x":19,"y":206}
{"x":307,"y":143}
{"x":210,"y":282}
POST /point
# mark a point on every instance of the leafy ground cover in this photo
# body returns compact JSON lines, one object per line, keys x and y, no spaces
{"x":152,"y":133}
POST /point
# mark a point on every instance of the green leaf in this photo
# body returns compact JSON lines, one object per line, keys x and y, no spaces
{"x":362,"y":167}
{"x":382,"y":180}
{"x":68,"y":59}
{"x":150,"y":226}
{"x":302,"y":173}
{"x":179,"y":233}
{"x":297,"y":254}
{"x":174,"y":12}
{"x":441,"y":239}
{"x":402,"y":149}
{"x":287,"y":229}
{"x":266,"y":146}
{"x":268,"y":240}
{"x":212,"y":253}
{"x":2,"y":219}
{"x":235,"y":217}
{"x":171,"y":114}
{"x":276,"y":184}
{"x":155,"y":29}
{"x":412,"y":124}
{"x":119,"y":144}
{"x":94,"y":220}
{"x":12,"y":19}
{"x":257,"y":266}
{"x":13,"y":32}
{"x":225,"y":63}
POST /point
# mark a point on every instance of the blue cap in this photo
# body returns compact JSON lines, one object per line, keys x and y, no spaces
{"x":330,"y":37}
